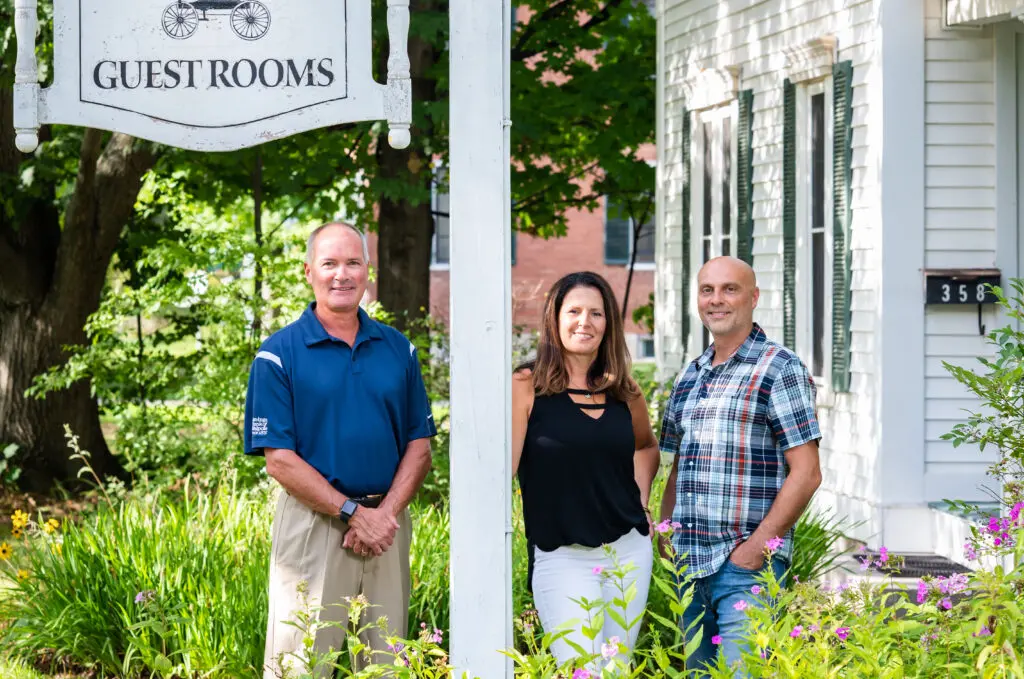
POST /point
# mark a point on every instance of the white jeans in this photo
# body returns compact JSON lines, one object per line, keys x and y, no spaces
{"x":568,"y":573}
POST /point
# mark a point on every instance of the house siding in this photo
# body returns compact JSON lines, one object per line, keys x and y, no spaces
{"x":960,"y":232}
{"x":711,"y":33}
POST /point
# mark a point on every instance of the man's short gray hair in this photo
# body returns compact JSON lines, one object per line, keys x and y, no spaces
{"x":316,"y":232}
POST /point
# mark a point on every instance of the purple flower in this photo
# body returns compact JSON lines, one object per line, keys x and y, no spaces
{"x":598,"y":569}
{"x":946,"y":603}
{"x":717,"y":640}
{"x":883,"y":555}
{"x":581,"y":674}
{"x":842,"y":632}
{"x":993,"y":524}
{"x":969,"y":552}
{"x":145,"y":596}
{"x":983,"y":632}
{"x":774,"y":544}
{"x":797,"y":631}
{"x":1015,"y":512}
{"x":755,"y":590}
{"x":922,"y":591}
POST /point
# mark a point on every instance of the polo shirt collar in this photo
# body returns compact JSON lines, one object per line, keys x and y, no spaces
{"x":748,"y":352}
{"x":313,"y":331}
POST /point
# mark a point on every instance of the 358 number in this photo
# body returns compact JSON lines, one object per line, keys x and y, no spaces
{"x":963,"y":292}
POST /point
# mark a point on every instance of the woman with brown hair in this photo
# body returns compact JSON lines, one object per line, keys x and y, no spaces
{"x":585,"y":454}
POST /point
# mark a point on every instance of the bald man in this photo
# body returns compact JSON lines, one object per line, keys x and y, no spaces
{"x":741,"y":424}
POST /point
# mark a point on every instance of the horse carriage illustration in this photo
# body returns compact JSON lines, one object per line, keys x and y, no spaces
{"x":250,"y":19}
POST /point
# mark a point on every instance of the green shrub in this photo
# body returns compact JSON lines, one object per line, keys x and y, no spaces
{"x":198,"y":565}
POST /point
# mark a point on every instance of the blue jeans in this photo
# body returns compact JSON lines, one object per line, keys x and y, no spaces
{"x":715,"y":596}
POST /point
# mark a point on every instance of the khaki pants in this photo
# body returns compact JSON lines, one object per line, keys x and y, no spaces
{"x":306,"y":548}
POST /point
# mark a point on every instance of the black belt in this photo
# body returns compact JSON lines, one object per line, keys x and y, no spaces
{"x":371,"y":501}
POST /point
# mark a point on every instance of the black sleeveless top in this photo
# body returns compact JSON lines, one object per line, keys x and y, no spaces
{"x":577,"y":476}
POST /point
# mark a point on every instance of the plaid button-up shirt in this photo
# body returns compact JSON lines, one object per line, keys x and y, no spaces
{"x":729,"y":427}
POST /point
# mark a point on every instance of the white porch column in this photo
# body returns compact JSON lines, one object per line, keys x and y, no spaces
{"x":481,"y":339}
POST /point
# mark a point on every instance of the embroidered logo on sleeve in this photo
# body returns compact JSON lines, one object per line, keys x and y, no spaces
{"x":259,"y":426}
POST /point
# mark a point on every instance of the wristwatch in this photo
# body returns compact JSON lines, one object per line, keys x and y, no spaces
{"x":347,"y":510}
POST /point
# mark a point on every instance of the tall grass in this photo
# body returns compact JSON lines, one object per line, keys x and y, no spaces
{"x":203,"y":557}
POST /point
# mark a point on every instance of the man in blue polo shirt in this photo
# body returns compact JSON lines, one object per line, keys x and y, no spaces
{"x":336,"y":404}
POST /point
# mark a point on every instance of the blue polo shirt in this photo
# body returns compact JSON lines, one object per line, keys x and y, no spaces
{"x":347,"y":411}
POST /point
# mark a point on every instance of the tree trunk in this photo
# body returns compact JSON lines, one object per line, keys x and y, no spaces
{"x":51,"y":279}
{"x":404,"y":229}
{"x":31,"y":344}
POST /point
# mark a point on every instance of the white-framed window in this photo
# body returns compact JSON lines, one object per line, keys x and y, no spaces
{"x":440,"y":246}
{"x":713,"y":189}
{"x":644,"y":347}
{"x":814,"y":218}
{"x":440,"y":206}
{"x":619,"y":231}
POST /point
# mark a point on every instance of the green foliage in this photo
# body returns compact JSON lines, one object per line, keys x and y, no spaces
{"x":816,"y":539}
{"x":170,"y":346}
{"x":9,"y":469}
{"x":999,"y":423}
{"x":145,"y":582}
{"x":966,"y":626}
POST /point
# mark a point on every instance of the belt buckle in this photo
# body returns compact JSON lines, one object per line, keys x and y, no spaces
{"x":370,"y":501}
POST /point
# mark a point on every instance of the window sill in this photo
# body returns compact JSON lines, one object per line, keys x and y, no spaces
{"x":440,"y":267}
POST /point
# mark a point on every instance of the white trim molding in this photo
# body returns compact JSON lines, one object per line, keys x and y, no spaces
{"x":710,"y":87}
{"x":811,"y":60}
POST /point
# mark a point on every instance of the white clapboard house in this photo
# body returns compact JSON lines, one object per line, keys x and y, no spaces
{"x":865,"y":157}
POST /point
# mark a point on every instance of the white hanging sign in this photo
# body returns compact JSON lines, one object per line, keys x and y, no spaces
{"x":211,"y":75}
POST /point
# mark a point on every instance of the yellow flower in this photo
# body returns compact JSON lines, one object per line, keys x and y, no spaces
{"x":20,"y":519}
{"x":17,"y":533}
{"x":56,"y":548}
{"x":51,"y":525}
{"x":22,"y":574}
{"x":5,"y":551}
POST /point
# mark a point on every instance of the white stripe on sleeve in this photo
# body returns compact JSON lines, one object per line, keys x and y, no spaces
{"x":273,"y":358}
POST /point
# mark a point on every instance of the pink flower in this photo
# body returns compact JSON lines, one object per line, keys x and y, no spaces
{"x":664,"y":527}
{"x":717,"y":640}
{"x":676,"y":525}
{"x":946,"y":603}
{"x":611,"y":649}
{"x":842,"y":632}
{"x":774,"y":544}
{"x":969,"y":552}
{"x":755,"y":590}
{"x":797,"y":631}
{"x":740,"y":605}
{"x":922,"y":591}
{"x":883,"y":555}
{"x":598,"y":569}
{"x":581,"y":674}
{"x":983,"y":632}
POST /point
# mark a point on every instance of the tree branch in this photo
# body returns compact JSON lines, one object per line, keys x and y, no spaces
{"x":519,"y":53}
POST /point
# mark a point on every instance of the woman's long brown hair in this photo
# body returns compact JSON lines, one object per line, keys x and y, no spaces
{"x":611,"y":370}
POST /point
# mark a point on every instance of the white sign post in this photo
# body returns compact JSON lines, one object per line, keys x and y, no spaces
{"x":211,"y":75}
{"x":481,"y":340}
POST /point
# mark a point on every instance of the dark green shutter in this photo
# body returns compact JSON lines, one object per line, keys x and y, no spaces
{"x":684,"y":201}
{"x":842,"y":156}
{"x":745,"y":177}
{"x":617,"y":233}
{"x":789,"y":214}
